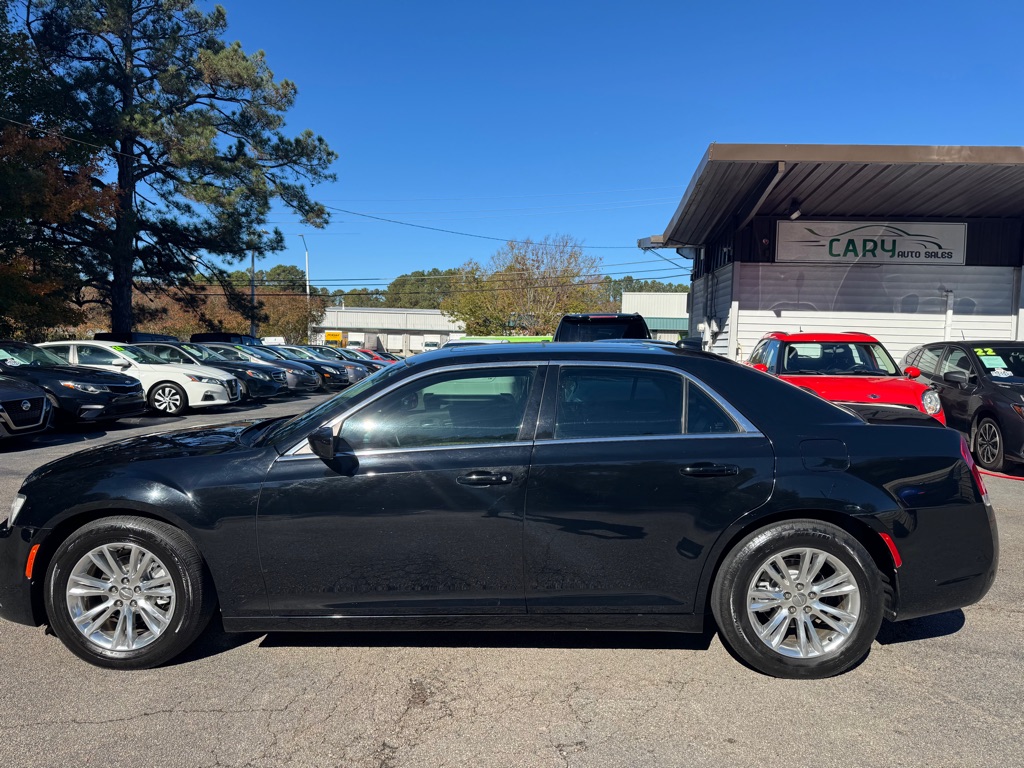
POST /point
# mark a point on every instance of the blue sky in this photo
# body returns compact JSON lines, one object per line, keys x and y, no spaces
{"x":525,"y":119}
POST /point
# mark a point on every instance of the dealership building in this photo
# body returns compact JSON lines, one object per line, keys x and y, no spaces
{"x":908,"y":243}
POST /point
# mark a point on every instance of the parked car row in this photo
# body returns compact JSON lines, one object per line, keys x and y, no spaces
{"x":103,"y":380}
{"x":627,"y":486}
{"x":974,"y":387}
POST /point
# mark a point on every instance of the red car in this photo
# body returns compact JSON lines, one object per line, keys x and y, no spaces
{"x":844,"y":368}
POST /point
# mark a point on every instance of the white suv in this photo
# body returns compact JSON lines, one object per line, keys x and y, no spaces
{"x":169,"y":388}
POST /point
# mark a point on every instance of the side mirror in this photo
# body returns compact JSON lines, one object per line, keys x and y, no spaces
{"x":328,"y":447}
{"x":122,"y":363}
{"x":959,"y":378}
{"x":760,"y":367}
{"x":912,"y":371}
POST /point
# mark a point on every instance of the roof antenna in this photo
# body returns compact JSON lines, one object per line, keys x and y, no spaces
{"x":962,"y":337}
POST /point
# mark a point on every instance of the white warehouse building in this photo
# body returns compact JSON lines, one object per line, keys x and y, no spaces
{"x":401,"y":331}
{"x":667,"y":314}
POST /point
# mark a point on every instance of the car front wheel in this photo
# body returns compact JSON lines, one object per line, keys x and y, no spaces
{"x":988,"y":445}
{"x":128,"y":593}
{"x":168,"y":398}
{"x":799,"y":599}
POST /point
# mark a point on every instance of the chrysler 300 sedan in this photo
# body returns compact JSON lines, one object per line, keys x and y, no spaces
{"x":558,"y":486}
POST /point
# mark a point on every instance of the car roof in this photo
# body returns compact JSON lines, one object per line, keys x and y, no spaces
{"x":97,"y":342}
{"x":641,"y":351}
{"x":826,"y":337}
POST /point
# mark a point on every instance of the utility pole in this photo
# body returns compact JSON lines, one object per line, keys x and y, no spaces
{"x":252,"y":288}
{"x":306,"y":247}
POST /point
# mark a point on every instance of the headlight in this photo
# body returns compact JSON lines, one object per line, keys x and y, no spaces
{"x":258,"y":375}
{"x":930,"y":401}
{"x":332,"y":371}
{"x":207,"y":380}
{"x":16,"y":505}
{"x":296,"y":371}
{"x":92,"y":389}
{"x":351,"y":369}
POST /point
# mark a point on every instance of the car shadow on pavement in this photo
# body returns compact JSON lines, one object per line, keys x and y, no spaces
{"x":939,"y":625}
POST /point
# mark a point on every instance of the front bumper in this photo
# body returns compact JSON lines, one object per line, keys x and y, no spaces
{"x":102,"y":408}
{"x":260,"y":388}
{"x":203,"y":395}
{"x":29,"y":423}
{"x":16,"y":590}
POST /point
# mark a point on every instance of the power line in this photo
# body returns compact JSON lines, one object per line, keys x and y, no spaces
{"x":493,"y":197}
{"x":465,"y":234}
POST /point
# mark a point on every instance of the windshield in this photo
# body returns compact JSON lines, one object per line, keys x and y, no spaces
{"x":1002,"y":362}
{"x":263,"y":353}
{"x":300,"y":426}
{"x":301,"y":354}
{"x":138,"y":355}
{"x":14,"y":356}
{"x":838,"y":358}
{"x":324,"y":354}
{"x":360,"y":354}
{"x":202,"y":353}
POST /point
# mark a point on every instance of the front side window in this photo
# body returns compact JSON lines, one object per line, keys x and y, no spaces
{"x":957,"y":360}
{"x":13,"y":356}
{"x":456,"y":408}
{"x":88,"y":355}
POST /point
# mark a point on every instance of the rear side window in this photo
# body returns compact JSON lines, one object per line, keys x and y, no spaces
{"x":613,"y":402}
{"x":929,"y":360}
{"x":591,"y":328}
{"x":62,"y":351}
{"x":957,"y":360}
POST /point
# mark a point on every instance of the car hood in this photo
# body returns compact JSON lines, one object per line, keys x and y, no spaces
{"x":69,"y":372}
{"x":11,"y":388}
{"x":197,"y":441}
{"x":188,"y":370}
{"x":863,"y":389}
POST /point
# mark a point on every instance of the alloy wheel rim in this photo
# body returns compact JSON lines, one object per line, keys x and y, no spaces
{"x":803,"y":603}
{"x":167,"y":399}
{"x":120,"y":596}
{"x":988,"y":443}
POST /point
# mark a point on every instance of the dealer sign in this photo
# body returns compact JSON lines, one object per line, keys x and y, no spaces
{"x":847,"y":242}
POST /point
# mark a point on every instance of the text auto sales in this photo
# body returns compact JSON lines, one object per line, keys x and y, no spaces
{"x":869,"y":247}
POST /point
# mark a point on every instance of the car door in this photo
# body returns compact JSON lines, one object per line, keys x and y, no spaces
{"x":428,"y":518}
{"x":635,"y":472}
{"x":959,"y":401}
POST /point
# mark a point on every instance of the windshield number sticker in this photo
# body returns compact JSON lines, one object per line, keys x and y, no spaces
{"x":990,"y":359}
{"x":118,"y":349}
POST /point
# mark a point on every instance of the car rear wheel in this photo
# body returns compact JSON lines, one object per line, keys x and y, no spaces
{"x":988,"y":445}
{"x":168,"y":398}
{"x":128,"y":593}
{"x":799,"y":599}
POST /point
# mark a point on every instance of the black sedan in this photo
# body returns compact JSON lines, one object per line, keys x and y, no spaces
{"x":78,"y":393}
{"x":258,"y":381}
{"x":981,"y":386}
{"x":24,"y":409}
{"x":331,"y":375}
{"x":348,"y":355}
{"x":557,"y":486}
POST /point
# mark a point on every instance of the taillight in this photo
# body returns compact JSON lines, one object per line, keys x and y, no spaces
{"x":965,"y":451}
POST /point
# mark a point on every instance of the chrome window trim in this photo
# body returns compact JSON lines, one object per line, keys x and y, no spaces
{"x":742,"y":422}
{"x":634,"y":438}
{"x":415,"y":449}
{"x":539,"y":364}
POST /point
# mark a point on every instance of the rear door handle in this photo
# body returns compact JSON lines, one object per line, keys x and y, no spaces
{"x":705,"y":469}
{"x":485,"y":478}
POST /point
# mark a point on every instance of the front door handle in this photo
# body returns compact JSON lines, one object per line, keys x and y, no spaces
{"x":705,"y":469}
{"x":485,"y":478}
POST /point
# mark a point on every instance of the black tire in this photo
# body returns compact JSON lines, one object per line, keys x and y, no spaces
{"x":730,"y":599}
{"x":168,"y":398}
{"x":988,"y":446}
{"x":187,"y":611}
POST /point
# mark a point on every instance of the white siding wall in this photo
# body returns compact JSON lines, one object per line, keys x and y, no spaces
{"x":655,"y":304}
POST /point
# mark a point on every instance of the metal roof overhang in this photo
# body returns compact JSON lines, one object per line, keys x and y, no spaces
{"x":735,"y":182}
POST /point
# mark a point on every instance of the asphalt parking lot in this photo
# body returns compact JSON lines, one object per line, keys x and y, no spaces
{"x":939,"y":691}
